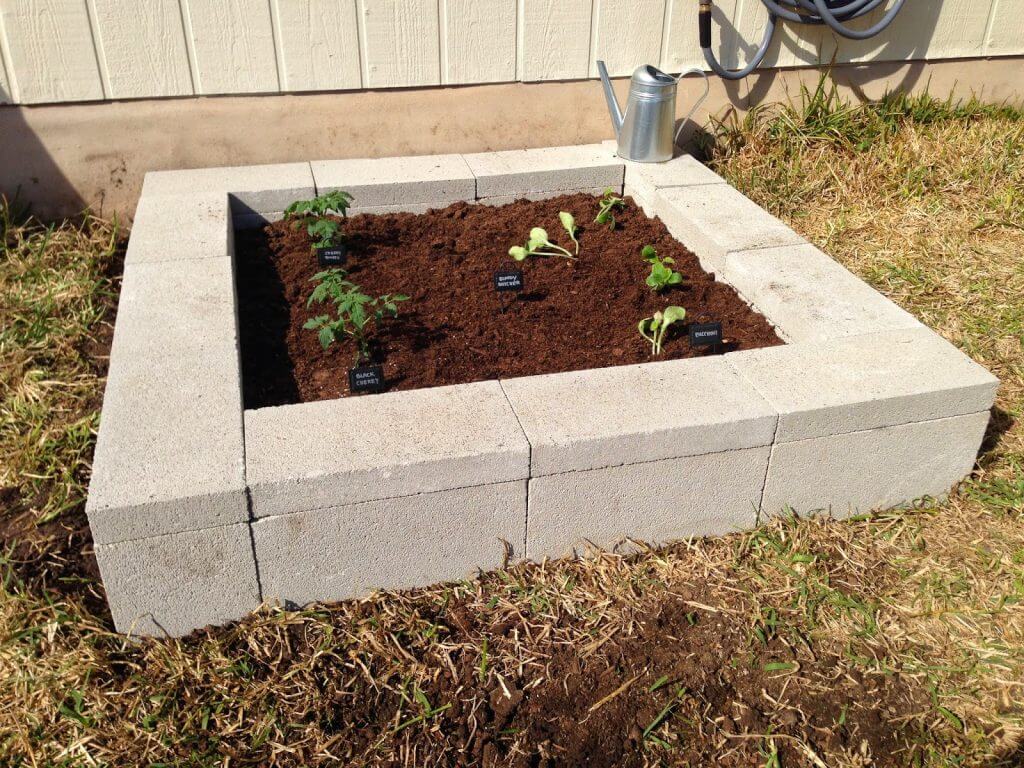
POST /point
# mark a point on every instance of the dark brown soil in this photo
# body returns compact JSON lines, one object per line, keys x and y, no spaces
{"x":455,"y":328}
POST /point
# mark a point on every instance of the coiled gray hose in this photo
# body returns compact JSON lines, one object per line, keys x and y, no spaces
{"x":833,"y":13}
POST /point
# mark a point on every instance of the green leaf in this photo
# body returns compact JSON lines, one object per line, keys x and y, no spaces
{"x":649,"y":254}
{"x":568,"y":222}
{"x":538,"y":236}
{"x":673,"y":315}
{"x":675,"y":278}
{"x":326,"y":336}
{"x":315,"y":322}
{"x":517,"y":252}
{"x":779,"y":666}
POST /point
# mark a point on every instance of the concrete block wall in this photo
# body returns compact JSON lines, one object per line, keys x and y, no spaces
{"x":200,"y":511}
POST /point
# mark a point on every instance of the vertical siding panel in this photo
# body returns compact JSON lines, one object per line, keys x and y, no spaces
{"x":319,"y":44}
{"x":922,"y":30}
{"x":233,"y":45}
{"x":51,"y":50}
{"x":556,"y":39}
{"x":682,"y":45}
{"x":481,"y":41}
{"x":6,"y":91}
{"x":143,"y":46}
{"x":792,"y":45}
{"x":627,"y":34}
{"x":1006,"y":29}
{"x":400,"y":43}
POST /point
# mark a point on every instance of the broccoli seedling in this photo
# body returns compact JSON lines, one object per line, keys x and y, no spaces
{"x":653,"y":328}
{"x":569,"y":225}
{"x":538,"y":240}
{"x":357,"y":313}
{"x":661,"y":275}
{"x":606,"y":208}
{"x":313,"y":213}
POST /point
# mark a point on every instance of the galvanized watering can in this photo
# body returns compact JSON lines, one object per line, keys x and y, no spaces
{"x":645,"y":131}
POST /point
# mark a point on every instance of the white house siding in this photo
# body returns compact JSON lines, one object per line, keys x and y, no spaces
{"x":84,"y":50}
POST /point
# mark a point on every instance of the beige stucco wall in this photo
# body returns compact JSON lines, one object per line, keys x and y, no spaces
{"x":83,"y":50}
{"x":63,"y":158}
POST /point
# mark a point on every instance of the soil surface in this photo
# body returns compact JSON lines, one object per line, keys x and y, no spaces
{"x":456,"y":328}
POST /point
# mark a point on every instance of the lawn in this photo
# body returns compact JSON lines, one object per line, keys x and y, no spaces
{"x":895,"y":639}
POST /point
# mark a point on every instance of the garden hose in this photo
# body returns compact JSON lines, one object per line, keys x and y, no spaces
{"x":832,"y":13}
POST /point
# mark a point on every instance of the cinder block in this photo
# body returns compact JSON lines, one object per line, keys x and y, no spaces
{"x":875,"y":469}
{"x":253,"y":188}
{"x":178,"y":227}
{"x":637,"y":413}
{"x":715,"y":219}
{"x":657,"y":501}
{"x":643,"y":180}
{"x":255,"y":220}
{"x":389,"y":181}
{"x":548,"y":169}
{"x":865,"y":382}
{"x":506,"y":199}
{"x":169,"y":456}
{"x":809,"y":296}
{"x":344,"y":552}
{"x":339,"y":452}
{"x":171,"y":585}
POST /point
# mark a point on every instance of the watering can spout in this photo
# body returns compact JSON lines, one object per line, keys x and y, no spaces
{"x":609,"y":95}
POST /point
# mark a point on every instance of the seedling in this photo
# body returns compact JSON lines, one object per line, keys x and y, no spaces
{"x":538,"y":241}
{"x":569,"y":224}
{"x":607,"y":206}
{"x":653,"y":328}
{"x":662,"y":275}
{"x":357,"y":313}
{"x":313,"y":213}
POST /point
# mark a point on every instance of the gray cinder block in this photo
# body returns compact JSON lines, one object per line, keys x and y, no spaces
{"x":375,"y":183}
{"x":181,"y":227}
{"x":715,"y":219}
{"x":656,"y":501}
{"x":637,"y":413}
{"x":252,"y":188}
{"x":169,"y":456}
{"x":864,"y":382}
{"x":874,"y":469}
{"x":516,"y":172}
{"x":171,"y":585}
{"x":342,"y":552}
{"x":338,"y":452}
{"x":809,"y":296}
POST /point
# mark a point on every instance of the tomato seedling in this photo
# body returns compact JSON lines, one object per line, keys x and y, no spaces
{"x":607,"y":206}
{"x":357,"y":313}
{"x":313,"y":213}
{"x":653,"y":328}
{"x":661,"y":275}
{"x":538,"y":240}
{"x":569,"y":225}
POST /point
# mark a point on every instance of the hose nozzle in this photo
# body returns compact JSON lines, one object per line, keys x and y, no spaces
{"x":704,"y":20}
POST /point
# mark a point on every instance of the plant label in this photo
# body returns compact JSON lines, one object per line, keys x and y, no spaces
{"x":508,"y":280}
{"x":705,"y":334}
{"x":366,"y":378}
{"x":333,"y":256}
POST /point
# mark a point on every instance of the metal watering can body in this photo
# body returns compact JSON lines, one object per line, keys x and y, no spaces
{"x":646,"y":130}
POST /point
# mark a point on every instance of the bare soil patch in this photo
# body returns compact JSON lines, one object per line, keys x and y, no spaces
{"x":456,"y":328}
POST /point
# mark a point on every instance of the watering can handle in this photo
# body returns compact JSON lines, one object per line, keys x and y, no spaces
{"x":707,"y":90}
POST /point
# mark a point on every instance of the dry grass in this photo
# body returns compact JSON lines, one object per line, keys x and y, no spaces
{"x":908,"y":623}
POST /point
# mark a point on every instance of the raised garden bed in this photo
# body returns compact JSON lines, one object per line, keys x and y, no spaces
{"x":202,"y":507}
{"x":456,"y":328}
